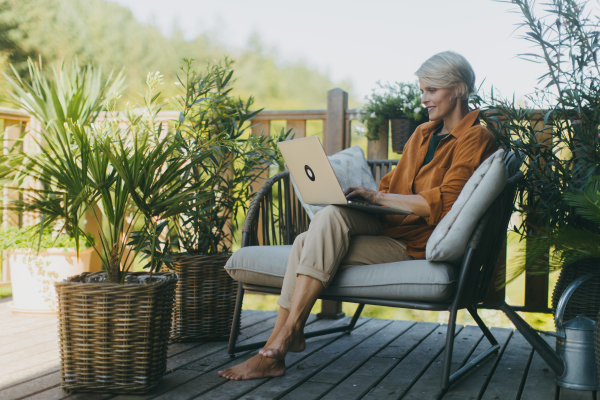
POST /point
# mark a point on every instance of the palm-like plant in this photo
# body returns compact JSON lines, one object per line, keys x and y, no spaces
{"x":123,"y":172}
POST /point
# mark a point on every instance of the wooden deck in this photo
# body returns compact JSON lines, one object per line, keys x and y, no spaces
{"x":381,"y":359}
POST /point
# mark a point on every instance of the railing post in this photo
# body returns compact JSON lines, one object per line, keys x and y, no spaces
{"x":334,"y":135}
{"x":260,"y":127}
{"x":334,"y":140}
{"x":378,"y":149}
{"x":536,"y":285}
{"x":298,"y":127}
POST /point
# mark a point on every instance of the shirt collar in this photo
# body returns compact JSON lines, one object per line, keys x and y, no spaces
{"x":471,"y":119}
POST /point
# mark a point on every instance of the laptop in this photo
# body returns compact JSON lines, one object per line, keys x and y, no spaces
{"x":314,"y":177}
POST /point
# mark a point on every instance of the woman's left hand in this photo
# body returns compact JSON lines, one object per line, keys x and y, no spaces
{"x":362,"y":193}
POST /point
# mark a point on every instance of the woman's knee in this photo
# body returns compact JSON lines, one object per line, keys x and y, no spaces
{"x":331,"y":213}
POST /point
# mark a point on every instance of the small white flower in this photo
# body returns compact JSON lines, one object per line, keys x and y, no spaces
{"x":177,"y":83}
{"x":417,"y":110}
{"x":373,"y":115}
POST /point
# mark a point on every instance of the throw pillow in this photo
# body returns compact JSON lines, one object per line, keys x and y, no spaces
{"x":449,"y":239}
{"x":350,"y":168}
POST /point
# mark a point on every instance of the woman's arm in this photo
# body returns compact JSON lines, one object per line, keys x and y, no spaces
{"x":414,"y":203}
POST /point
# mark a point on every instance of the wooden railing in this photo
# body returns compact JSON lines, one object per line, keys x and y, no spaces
{"x":336,"y":134}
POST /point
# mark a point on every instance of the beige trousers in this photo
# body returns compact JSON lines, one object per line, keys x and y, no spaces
{"x":338,"y":237}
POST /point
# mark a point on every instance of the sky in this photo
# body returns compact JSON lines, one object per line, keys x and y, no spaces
{"x":362,"y":41}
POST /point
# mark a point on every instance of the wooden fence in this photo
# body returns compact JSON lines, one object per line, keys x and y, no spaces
{"x":336,"y":134}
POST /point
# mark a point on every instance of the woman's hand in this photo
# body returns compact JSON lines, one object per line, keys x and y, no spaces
{"x":361,"y":193}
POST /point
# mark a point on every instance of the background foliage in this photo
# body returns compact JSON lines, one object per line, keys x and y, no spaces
{"x":106,"y":34}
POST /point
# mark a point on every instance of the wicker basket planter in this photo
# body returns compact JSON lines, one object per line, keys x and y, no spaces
{"x":113,"y":337}
{"x":402,"y":129}
{"x":586,"y":300}
{"x":204,"y":298}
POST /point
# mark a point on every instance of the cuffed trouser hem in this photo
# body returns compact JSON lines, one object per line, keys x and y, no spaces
{"x":313,"y":272}
{"x":284,"y":303}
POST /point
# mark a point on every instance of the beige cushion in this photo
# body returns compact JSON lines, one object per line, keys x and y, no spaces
{"x":259,"y":265}
{"x":449,"y":239}
{"x":350,"y":168}
{"x":416,"y":280}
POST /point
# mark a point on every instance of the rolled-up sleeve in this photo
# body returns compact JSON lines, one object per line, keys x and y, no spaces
{"x":470,"y":152}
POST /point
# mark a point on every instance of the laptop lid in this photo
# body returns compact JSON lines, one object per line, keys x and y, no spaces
{"x":313,"y":175}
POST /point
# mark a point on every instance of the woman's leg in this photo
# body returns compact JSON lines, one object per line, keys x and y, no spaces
{"x":258,"y":366}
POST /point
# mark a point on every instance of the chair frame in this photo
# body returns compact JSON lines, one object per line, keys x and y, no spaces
{"x":266,"y":224}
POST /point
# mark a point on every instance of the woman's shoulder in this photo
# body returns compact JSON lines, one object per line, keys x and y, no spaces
{"x":478,"y":133}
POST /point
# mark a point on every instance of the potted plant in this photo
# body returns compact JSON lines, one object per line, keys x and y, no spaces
{"x":125,"y":173}
{"x":213,"y":120}
{"x":37,"y":262}
{"x":561,"y":144}
{"x":401,"y":104}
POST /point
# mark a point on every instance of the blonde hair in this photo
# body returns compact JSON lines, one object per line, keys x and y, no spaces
{"x":448,"y":70}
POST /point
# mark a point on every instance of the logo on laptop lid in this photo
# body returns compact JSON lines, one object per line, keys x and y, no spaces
{"x":309,"y":173}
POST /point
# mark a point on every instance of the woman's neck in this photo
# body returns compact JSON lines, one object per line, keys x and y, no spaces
{"x":459,"y":112}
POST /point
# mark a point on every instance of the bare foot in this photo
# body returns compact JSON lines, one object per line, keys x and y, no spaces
{"x":254,"y":368}
{"x":286,"y":340}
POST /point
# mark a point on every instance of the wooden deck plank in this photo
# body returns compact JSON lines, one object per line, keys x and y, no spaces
{"x":252,"y":319}
{"x":208,"y":380}
{"x":429,"y":384}
{"x":311,"y":366}
{"x":31,"y":387}
{"x":249,"y":319}
{"x":510,"y":369}
{"x":470,"y":386}
{"x":231,"y":389}
{"x":540,"y":378}
{"x":326,"y":379}
{"x":404,"y":375}
{"x":370,"y":373}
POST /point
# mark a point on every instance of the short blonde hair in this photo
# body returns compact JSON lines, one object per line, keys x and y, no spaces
{"x":448,"y":70}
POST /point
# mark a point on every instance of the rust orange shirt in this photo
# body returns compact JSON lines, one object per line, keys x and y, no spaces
{"x":439,"y":182}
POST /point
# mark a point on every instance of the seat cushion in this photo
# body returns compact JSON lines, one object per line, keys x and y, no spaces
{"x":259,"y":265}
{"x":417,"y":280}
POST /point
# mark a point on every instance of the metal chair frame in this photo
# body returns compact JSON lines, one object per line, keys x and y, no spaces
{"x":279,"y":223}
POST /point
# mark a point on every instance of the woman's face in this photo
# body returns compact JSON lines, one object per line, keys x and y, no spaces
{"x":438,"y":101}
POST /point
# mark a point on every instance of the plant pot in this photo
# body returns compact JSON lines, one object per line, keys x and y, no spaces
{"x":586,"y":300}
{"x":33,"y":276}
{"x":113,"y":337}
{"x":204,"y":298}
{"x":402,"y":129}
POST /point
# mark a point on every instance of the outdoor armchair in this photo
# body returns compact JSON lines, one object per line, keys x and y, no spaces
{"x":276,"y":217}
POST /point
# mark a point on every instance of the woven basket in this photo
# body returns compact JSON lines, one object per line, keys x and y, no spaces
{"x":204,"y":298}
{"x":402,"y":129}
{"x":586,"y":300}
{"x":113,"y":337}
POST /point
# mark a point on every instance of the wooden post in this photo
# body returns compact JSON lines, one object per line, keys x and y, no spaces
{"x":334,"y":135}
{"x":536,"y":285}
{"x":298,"y":127}
{"x":378,"y":149}
{"x":334,"y":140}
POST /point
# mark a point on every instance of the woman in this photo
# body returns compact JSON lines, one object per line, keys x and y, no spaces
{"x":438,"y":160}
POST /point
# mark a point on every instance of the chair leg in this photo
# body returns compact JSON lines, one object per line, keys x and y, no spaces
{"x":235,"y":324}
{"x":475,"y":361}
{"x":482,"y":325}
{"x":355,"y":317}
{"x":447,"y":363}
